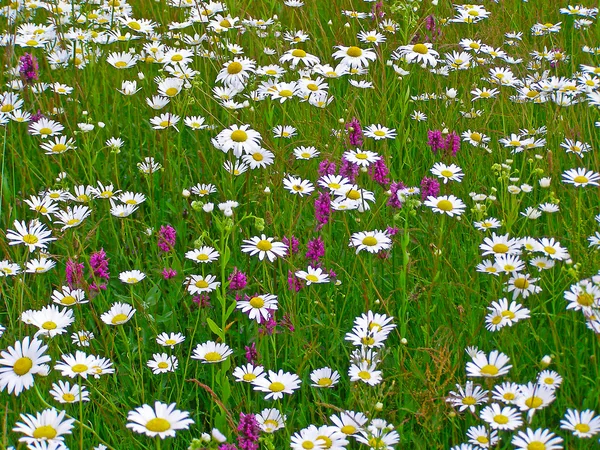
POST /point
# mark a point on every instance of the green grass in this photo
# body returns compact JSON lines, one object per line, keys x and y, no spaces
{"x":427,"y":281}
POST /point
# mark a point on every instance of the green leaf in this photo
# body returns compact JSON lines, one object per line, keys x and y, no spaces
{"x":215,"y":328}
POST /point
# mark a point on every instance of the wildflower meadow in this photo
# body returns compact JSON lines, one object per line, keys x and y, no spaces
{"x":305,"y":224}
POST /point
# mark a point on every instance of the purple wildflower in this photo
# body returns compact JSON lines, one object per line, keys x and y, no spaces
{"x":435,"y":140}
{"x":453,"y":143}
{"x":237,"y":280}
{"x":349,"y":169}
{"x":391,"y":231}
{"x":251,"y":353}
{"x":269,"y":325}
{"x":377,"y":11}
{"x":97,"y":287}
{"x":166,"y":238}
{"x":379,"y":172}
{"x":249,"y":432}
{"x":315,"y":250}
{"x":99,"y":264}
{"x":434,"y":33}
{"x":322,"y":209}
{"x":355,"y":134}
{"x":169,"y":273}
{"x":28,"y":68}
{"x":286,"y":322}
{"x":37,"y":116}
{"x":326,"y":167}
{"x":294,"y":283}
{"x":429,"y":186}
{"x":394,"y":201}
{"x":227,"y":447}
{"x":292,"y":244}
{"x":203,"y":301}
{"x":74,"y":273}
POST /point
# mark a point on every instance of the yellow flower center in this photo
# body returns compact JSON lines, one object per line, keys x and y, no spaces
{"x":489,"y":370}
{"x":225,"y":23}
{"x":170,"y":342}
{"x":354,"y":52}
{"x":364,"y":375}
{"x":482,"y":440}
{"x":257,"y":302}
{"x":79,"y":368}
{"x":534,"y":402}
{"x":580,"y":179}
{"x":286,"y":93}
{"x":312,"y":278}
{"x":369,"y":241}
{"x":521,"y":283}
{"x":325,"y":382}
{"x":501,"y":419}
{"x":22,"y":366}
{"x":348,"y":429}
{"x":536,"y":445}
{"x":476,"y":136}
{"x":447,"y":173}
{"x":30,"y":239}
{"x":305,"y":155}
{"x":299,"y":53}
{"x":59,"y":148}
{"x":120,"y":64}
{"x":500,"y":248}
{"x":135,"y":25}
{"x":49,"y":325}
{"x":420,"y":48}
{"x":372,"y":38}
{"x":202,"y":284}
{"x":164,"y":124}
{"x":158,"y":425}
{"x":6,"y":108}
{"x":202,"y":257}
{"x":508,"y":314}
{"x":132,"y":280}
{"x":362,"y":156}
{"x":118,"y":319}
{"x":469,"y":400}
{"x":171,"y":92}
{"x":68,"y":397}
{"x":239,"y":136}
{"x":379,"y":133}
{"x":353,"y":194}
{"x":257,"y":156}
{"x":585,"y":299}
{"x":582,"y":427}
{"x":213,"y":357}
{"x":308,"y":445}
{"x":445,"y":205}
{"x":509,"y":396}
{"x":496,"y":320}
{"x":162,"y":365}
{"x":326,"y":440}
{"x":276,"y":387}
{"x":44,"y":432}
{"x":249,"y":377}
{"x":234,"y":67}
{"x":176,"y":58}
{"x":32,"y":42}
{"x":264,"y":245}
{"x":45,"y":130}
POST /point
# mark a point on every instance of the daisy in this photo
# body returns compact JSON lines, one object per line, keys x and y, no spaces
{"x":306,"y":152}
{"x":307,"y":438}
{"x":379,"y":132}
{"x":132,"y":198}
{"x":371,"y":37}
{"x":122,"y":60}
{"x":61,"y":144}
{"x":275,"y":384}
{"x":203,"y":255}
{"x":33,"y":235}
{"x":40,"y":265}
{"x":79,"y":365}
{"x":63,"y":392}
{"x":48,"y":426}
{"x":510,"y":263}
{"x":295,"y":56}
{"x":195,"y":122}
{"x":366,"y":373}
{"x":82,"y":338}
{"x":542,"y":263}
{"x":550,"y":379}
{"x":313,"y":275}
{"x":324,"y":378}
{"x":354,"y":56}
{"x":581,"y":177}
{"x":258,"y":307}
{"x":553,"y":249}
{"x":240,"y":139}
{"x":379,"y":437}
{"x":259,"y":158}
{"x":501,"y":418}
{"x":162,"y":420}
{"x":8,"y":269}
{"x":536,"y":439}
{"x":210,"y":352}
{"x":118,"y":314}
{"x":371,"y":241}
{"x":270,"y":420}
{"x":522,"y":284}
{"x":42,"y":205}
{"x":488,"y":224}
{"x":284,"y":131}
{"x":122,"y":210}
{"x":236,"y":169}
{"x":482,"y":437}
{"x":362,"y":158}
{"x":496,"y":365}
{"x":583,"y":296}
{"x":236,"y":72}
{"x":417,"y":53}
{"x":132,"y":276}
{"x":248,"y":373}
{"x":584,"y":424}
{"x":198,"y":284}
{"x":74,"y":217}
{"x":446,"y":204}
{"x":349,"y":422}
{"x":264,"y":246}
{"x":163,"y":363}
{"x":447,"y":173}
{"x":499,"y":245}
{"x":50,"y":320}
{"x":45,"y":127}
{"x":20,"y":363}
{"x":165,"y":120}
{"x":533,"y":397}
{"x":335,"y":183}
{"x":170,"y":340}
{"x":467,"y":398}
{"x":333,"y":438}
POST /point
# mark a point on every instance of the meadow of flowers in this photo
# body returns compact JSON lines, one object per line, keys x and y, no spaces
{"x":299,"y":224}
